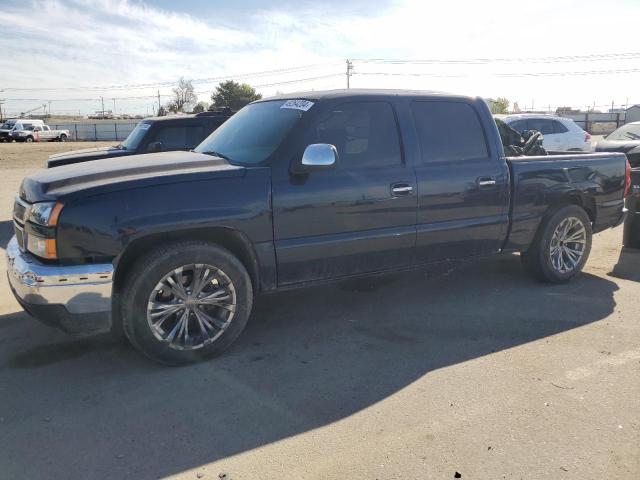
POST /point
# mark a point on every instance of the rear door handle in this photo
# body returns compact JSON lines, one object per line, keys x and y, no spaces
{"x":485,"y":181}
{"x":401,"y":189}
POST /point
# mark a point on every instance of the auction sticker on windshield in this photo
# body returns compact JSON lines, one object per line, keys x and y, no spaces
{"x":303,"y":105}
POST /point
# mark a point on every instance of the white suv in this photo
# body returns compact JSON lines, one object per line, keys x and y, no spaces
{"x":560,"y":134}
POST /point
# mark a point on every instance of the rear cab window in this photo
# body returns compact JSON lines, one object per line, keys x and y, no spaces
{"x":179,"y":137}
{"x":449,"y":131}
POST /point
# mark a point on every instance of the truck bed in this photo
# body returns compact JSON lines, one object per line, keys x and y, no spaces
{"x":592,"y":180}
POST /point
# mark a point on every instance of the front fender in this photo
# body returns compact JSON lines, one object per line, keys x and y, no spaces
{"x":101,"y":226}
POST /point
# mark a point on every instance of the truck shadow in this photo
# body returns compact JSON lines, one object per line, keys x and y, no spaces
{"x":307,"y":358}
{"x":628,"y":266}
{"x":6,"y":232}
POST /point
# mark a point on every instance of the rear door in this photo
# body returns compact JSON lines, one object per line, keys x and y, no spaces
{"x":463,"y":185}
{"x":358,"y":217}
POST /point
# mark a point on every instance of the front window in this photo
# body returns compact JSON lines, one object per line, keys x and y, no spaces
{"x":253,"y":134}
{"x":626,"y":132}
{"x":136,"y":136}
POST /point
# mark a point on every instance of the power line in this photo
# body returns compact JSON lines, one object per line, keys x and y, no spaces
{"x":134,"y":86}
{"x":482,"y":61}
{"x":141,"y":97}
{"x":506,"y":75}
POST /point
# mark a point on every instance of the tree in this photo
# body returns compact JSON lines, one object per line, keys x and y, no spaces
{"x":200,"y":107}
{"x":162,"y":111}
{"x":184,"y":96}
{"x":233,"y":95}
{"x":500,"y":105}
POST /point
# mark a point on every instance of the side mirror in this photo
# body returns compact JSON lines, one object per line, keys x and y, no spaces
{"x":319,"y":156}
{"x":154,"y":147}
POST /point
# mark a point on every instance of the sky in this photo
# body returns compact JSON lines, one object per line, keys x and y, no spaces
{"x":554,"y":53}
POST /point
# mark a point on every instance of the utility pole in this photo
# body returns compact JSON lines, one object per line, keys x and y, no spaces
{"x":158,"y":101}
{"x":349,"y":70}
{"x":102,"y":100}
{"x":114,"y":105}
{"x":2,"y":100}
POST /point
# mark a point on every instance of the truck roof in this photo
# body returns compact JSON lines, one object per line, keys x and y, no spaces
{"x":361,"y":92}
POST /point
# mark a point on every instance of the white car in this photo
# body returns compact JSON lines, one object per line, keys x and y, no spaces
{"x":560,"y":134}
{"x":39,"y":133}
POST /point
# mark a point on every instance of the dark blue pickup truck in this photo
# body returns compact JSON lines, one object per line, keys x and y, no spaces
{"x":295,"y":190}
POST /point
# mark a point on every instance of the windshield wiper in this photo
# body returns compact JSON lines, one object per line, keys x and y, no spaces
{"x":218,"y":154}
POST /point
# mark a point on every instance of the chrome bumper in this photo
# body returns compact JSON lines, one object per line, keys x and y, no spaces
{"x":80,"y":289}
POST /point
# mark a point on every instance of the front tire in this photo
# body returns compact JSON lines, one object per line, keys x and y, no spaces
{"x":186,"y":302}
{"x":28,"y":139}
{"x":62,"y":138}
{"x":561,"y":246}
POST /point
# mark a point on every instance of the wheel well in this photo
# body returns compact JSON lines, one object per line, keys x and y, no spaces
{"x":236,"y":242}
{"x":587,"y":203}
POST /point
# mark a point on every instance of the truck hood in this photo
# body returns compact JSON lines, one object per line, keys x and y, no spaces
{"x":86,"y":154}
{"x":136,"y":171}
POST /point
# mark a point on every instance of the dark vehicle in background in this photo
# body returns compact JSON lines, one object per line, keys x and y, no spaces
{"x":171,"y":248}
{"x":625,"y":139}
{"x":155,"y":134}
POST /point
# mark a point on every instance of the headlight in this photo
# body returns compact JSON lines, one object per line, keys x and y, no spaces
{"x":42,"y":247}
{"x":43,"y":217}
{"x":45,"y":213}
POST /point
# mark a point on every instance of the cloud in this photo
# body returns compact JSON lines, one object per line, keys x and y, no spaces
{"x":115,"y":42}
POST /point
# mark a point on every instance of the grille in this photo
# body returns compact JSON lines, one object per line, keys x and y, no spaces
{"x":19,"y":236}
{"x":20,"y":211}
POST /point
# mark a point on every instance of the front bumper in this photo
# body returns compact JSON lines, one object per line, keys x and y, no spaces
{"x":76,"y":298}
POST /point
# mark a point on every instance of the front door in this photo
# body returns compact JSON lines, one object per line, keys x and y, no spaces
{"x":358,"y":217}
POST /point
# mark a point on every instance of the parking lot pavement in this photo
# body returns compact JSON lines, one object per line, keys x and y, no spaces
{"x":478,"y":371}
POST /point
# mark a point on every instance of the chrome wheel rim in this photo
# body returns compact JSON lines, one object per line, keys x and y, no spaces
{"x":191,"y":306}
{"x":567,"y":246}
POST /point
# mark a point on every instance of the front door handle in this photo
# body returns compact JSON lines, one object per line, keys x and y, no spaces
{"x":401,"y":189}
{"x":485,"y":181}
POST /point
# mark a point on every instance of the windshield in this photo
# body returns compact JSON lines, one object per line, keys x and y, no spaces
{"x":7,"y":125}
{"x":254,"y":133}
{"x":136,"y":136}
{"x":626,"y":132}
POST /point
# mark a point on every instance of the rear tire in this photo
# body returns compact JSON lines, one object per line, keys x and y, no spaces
{"x":62,"y":138}
{"x":561,"y":246}
{"x":207,"y":292}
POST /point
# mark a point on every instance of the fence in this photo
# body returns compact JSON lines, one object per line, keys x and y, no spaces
{"x":105,"y":131}
{"x":597,"y":123}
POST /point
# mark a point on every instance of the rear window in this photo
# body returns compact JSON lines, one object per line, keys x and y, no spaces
{"x":630,"y":131}
{"x":449,"y":132}
{"x":543,"y":125}
{"x":519,"y":125}
{"x":558,"y":127}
